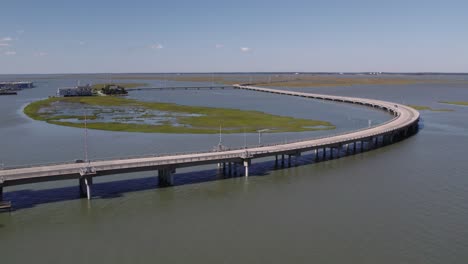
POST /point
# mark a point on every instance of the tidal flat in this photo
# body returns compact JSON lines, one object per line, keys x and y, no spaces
{"x":129,"y":115}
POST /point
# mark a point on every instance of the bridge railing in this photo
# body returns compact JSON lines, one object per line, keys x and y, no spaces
{"x":204,"y":151}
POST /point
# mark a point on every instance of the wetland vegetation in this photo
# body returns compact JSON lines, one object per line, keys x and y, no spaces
{"x":461,"y":103}
{"x":121,"y":114}
{"x":427,"y":108}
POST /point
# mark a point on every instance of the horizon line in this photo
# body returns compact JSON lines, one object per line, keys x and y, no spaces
{"x":239,"y":72}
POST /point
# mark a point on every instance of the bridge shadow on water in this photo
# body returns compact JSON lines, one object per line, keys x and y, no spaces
{"x":22,"y":199}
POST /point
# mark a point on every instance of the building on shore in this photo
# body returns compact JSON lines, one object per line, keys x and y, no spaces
{"x":84,"y":90}
{"x":16,"y":85}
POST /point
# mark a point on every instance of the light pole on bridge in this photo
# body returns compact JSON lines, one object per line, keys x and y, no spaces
{"x":260,"y":135}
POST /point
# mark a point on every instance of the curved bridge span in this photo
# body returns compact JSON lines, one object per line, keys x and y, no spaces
{"x":403,"y":124}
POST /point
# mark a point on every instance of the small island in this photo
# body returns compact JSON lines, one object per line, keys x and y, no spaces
{"x":112,"y":89}
{"x":121,"y":114}
{"x":102,"y":89}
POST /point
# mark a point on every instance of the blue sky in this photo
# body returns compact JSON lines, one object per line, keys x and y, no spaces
{"x":51,"y":36}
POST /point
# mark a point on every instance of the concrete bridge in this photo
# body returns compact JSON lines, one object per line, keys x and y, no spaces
{"x":403,"y":124}
{"x":183,"y":88}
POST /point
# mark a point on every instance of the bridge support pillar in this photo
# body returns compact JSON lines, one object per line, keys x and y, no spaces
{"x":362,"y":146}
{"x":246,"y":166}
{"x":86,"y":183}
{"x":354,"y":147}
{"x":282,"y":160}
{"x":324,"y":153}
{"x":276,"y":161}
{"x":289,"y":161}
{"x":316,"y":154}
{"x":331,"y":152}
{"x":1,"y":190}
{"x":166,"y":176}
{"x":229,"y":168}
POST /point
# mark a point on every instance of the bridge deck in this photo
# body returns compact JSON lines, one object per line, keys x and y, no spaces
{"x":404,"y":117}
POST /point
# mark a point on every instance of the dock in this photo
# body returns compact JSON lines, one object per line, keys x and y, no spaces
{"x":16,"y":85}
{"x":7,"y":92}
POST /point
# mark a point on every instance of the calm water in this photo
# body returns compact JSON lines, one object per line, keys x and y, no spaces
{"x":406,"y":203}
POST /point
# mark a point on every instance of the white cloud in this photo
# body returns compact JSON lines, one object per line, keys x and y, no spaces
{"x":40,"y":54}
{"x":4,"y":44}
{"x":156,"y":46}
{"x":245,"y":49}
{"x":6,"y":39}
{"x":10,"y":53}
{"x":219,"y":46}
{"x":81,"y":43}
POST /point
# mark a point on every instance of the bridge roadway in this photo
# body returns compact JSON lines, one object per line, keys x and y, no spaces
{"x":403,"y":124}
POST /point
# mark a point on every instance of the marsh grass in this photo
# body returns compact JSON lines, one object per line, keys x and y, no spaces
{"x":462,"y":103}
{"x":206,"y":120}
{"x":427,"y":108}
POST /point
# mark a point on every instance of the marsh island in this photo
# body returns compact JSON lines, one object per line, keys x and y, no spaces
{"x":129,"y":115}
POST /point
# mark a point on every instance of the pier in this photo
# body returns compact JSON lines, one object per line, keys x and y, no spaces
{"x":16,"y":85}
{"x":403,"y":124}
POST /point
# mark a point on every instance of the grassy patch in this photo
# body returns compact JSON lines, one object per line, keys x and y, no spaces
{"x":427,"y":108}
{"x":190,"y":119}
{"x":462,"y":103}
